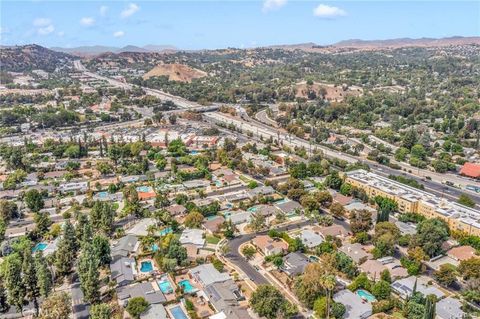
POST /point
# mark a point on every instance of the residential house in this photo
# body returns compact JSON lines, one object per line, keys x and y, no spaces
{"x":125,"y":246}
{"x":123,"y":270}
{"x":155,"y":311}
{"x":206,"y":275}
{"x":449,"y":308}
{"x":311,"y":238}
{"x":373,"y":268}
{"x":192,"y":236}
{"x":141,"y":227}
{"x":260,"y":191}
{"x":404,"y":287}
{"x":461,"y":253}
{"x":356,"y":308}
{"x":294,"y":263}
{"x":146,"y":290}
{"x":224,"y":297}
{"x":356,"y":252}
{"x":270,"y":246}
{"x":240,"y":217}
{"x":214,"y":224}
{"x":175,"y":209}
{"x":289,"y":207}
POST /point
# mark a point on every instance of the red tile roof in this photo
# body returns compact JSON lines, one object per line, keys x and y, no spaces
{"x":471,"y":170}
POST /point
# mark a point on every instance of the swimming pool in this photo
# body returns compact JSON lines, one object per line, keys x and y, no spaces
{"x":211,"y":217}
{"x":282,"y":201}
{"x":154,"y":247}
{"x":165,"y":285}
{"x":178,"y":313}
{"x":252,"y":209}
{"x":39,"y":247}
{"x":144,"y":189}
{"x":146,"y":266}
{"x":366,"y":295}
{"x":102,"y":195}
{"x":194,"y":153}
{"x":187,"y":286}
{"x":218,"y":183}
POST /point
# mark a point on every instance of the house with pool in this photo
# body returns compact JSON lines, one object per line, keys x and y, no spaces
{"x":356,"y":307}
{"x":148,"y":290}
{"x":206,"y":275}
{"x":224,"y":297}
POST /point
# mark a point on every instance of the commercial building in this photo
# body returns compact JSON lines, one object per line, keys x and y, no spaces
{"x":410,"y":199}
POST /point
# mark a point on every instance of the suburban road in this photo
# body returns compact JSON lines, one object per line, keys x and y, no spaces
{"x":236,"y":258}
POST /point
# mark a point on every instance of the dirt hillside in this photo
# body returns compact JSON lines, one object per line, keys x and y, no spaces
{"x":332,"y":93}
{"x":175,"y":72}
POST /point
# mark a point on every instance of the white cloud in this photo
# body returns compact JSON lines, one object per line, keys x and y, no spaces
{"x":328,"y":12}
{"x":46,"y":30}
{"x":43,"y":26}
{"x":87,"y":21}
{"x":42,"y":22}
{"x":129,"y":10}
{"x":103,"y":10}
{"x":269,"y":5}
{"x":118,"y":34}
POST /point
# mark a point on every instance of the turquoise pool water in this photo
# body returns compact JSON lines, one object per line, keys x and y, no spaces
{"x":165,"y":286}
{"x":144,"y":189}
{"x":194,"y":153}
{"x":366,"y":295}
{"x":102,"y":194}
{"x":211,"y":217}
{"x":282,"y":201}
{"x":218,"y":183}
{"x":39,"y":247}
{"x":165,"y":231}
{"x":146,"y":266}
{"x":178,"y":313}
{"x":252,"y":209}
{"x":154,"y":247}
{"x":187,"y":286}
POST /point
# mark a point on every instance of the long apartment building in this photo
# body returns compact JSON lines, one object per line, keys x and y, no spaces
{"x":410,"y":199}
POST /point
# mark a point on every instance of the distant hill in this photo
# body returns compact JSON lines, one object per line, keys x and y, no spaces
{"x":85,"y":51}
{"x":175,"y":72}
{"x":407,"y":42}
{"x":31,"y":57}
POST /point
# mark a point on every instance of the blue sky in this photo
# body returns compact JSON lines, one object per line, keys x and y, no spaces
{"x":219,"y":24}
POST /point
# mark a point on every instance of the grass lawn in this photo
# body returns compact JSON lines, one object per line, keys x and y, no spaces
{"x":212,"y":240}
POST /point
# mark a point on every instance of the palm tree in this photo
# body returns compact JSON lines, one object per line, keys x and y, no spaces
{"x":328,"y":283}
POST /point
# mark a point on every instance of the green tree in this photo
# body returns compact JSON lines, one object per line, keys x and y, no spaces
{"x":446,"y":274}
{"x":100,"y":311}
{"x":42,"y":222}
{"x":8,"y":210}
{"x":333,"y":180}
{"x":430,"y":303}
{"x":381,"y":289}
{"x":102,"y":216}
{"x":12,"y":275}
{"x":34,"y":200}
{"x":88,"y":274}
{"x":57,"y":305}
{"x":248,"y":251}
{"x":193,"y":219}
{"x":268,"y":302}
{"x":258,"y":222}
{"x":4,"y":306}
{"x":45,"y":281}
{"x":101,"y":247}
{"x":466,"y":201}
{"x":470,"y":268}
{"x":66,"y":252}
{"x":136,"y":306}
{"x":431,"y":233}
{"x":30,"y":279}
{"x":361,"y":221}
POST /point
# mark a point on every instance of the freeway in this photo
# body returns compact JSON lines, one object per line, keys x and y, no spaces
{"x":257,"y":127}
{"x":265,"y":131}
